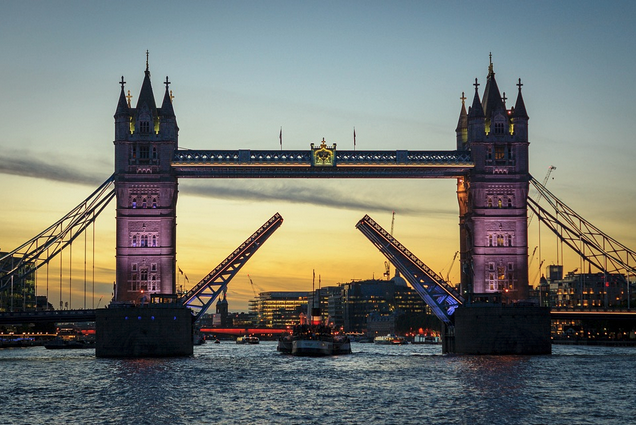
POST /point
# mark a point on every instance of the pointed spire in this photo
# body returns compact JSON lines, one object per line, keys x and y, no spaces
{"x":146,"y":95}
{"x":520,"y":107}
{"x":122,"y":105}
{"x":476,"y":110}
{"x":462,"y":123}
{"x":492,"y":97}
{"x":166,"y":106}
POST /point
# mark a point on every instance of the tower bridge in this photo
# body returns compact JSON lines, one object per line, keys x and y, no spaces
{"x":490,"y":163}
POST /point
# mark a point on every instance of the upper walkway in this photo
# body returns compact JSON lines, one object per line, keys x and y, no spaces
{"x":321,"y":163}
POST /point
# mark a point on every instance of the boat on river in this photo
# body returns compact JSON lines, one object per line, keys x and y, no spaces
{"x":390,"y":339}
{"x":247,"y":339}
{"x":314,"y":340}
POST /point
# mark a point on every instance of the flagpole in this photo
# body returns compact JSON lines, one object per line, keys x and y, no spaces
{"x":354,"y":138}
{"x":280,"y":137}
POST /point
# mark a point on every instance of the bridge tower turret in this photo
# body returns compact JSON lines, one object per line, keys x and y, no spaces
{"x":492,"y":197}
{"x":146,"y":138}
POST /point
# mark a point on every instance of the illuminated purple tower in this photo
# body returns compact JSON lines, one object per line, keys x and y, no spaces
{"x":146,"y":138}
{"x":492,"y":197}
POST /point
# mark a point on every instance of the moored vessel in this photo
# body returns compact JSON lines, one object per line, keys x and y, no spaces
{"x":68,"y":338}
{"x":426,"y":339}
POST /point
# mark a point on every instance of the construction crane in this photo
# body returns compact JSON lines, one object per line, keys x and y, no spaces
{"x":387,"y":265}
{"x":252,"y":284}
{"x":532,"y":256}
{"x":545,"y":181}
{"x":451,"y":266}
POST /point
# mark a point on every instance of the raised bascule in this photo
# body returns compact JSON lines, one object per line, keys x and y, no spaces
{"x":488,"y":314}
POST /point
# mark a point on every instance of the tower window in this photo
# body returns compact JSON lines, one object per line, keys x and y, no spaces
{"x":499,"y":153}
{"x":144,"y":127}
{"x":499,"y":128}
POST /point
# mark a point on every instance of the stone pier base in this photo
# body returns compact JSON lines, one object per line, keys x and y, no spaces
{"x":499,"y":330}
{"x":147,"y":331}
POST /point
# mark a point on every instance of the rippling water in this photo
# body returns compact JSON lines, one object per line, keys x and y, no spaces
{"x":253,"y":384}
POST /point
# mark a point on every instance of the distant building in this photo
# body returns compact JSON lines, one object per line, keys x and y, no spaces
{"x":369,"y":306}
{"x":385,"y":299}
{"x":586,"y":290}
{"x":279,"y":309}
{"x":19,"y":293}
{"x":220,"y":319}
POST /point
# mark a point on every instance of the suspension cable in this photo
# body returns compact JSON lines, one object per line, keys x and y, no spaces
{"x":93,"y":247}
{"x":85,"y":239}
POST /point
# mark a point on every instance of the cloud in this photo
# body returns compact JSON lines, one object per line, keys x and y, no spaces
{"x":47,"y":167}
{"x":55,"y":167}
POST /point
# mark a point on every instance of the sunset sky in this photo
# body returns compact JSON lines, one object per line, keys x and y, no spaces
{"x":242,"y":70}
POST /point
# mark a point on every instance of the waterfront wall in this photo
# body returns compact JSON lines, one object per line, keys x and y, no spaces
{"x":143,"y":332}
{"x":499,"y":330}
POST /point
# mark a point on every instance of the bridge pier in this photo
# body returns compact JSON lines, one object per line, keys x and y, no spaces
{"x":499,"y":329}
{"x":146,"y":331}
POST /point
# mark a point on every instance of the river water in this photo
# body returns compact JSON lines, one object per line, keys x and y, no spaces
{"x":253,"y":384}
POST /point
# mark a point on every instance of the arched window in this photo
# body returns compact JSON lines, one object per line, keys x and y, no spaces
{"x":154,"y":240}
{"x":144,"y":241}
{"x":134,"y":240}
{"x":134,"y":203}
{"x":499,"y":203}
{"x":143,"y":203}
{"x":154,"y":202}
{"x":500,"y":240}
{"x":509,"y":202}
{"x":489,"y":202}
{"x":489,"y":240}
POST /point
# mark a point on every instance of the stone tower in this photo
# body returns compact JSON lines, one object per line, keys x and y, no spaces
{"x":492,"y":197}
{"x":146,"y":138}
